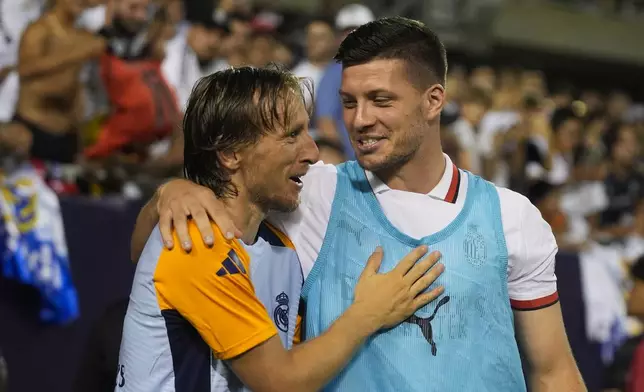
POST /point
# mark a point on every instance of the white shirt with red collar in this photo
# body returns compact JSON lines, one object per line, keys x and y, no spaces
{"x":532,"y":283}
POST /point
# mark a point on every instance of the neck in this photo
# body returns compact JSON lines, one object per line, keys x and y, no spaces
{"x":420,"y":174}
{"x":246,"y":216}
{"x":64,"y":17}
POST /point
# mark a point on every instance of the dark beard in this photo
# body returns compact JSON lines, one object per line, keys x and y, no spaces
{"x":123,"y":29}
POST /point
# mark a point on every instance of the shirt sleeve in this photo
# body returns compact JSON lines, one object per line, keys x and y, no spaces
{"x":532,"y":248}
{"x":211,"y":288}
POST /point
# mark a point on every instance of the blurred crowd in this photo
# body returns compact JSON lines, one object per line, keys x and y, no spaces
{"x":577,"y":155}
{"x":92,"y":94}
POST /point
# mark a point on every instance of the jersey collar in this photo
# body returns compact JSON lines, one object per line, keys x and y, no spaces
{"x":446,"y":189}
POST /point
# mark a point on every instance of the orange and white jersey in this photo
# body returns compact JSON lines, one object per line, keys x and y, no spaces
{"x":190,"y":312}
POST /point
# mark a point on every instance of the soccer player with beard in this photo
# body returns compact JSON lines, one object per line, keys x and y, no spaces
{"x":246,"y":139}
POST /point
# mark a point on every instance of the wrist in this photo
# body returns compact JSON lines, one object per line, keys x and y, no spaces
{"x":162,"y":187}
{"x":363,"y":319}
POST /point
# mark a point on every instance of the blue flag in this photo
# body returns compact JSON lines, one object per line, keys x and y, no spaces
{"x":33,"y":250}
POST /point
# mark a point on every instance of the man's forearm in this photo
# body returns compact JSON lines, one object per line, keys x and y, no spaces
{"x":145,"y":222}
{"x":565,"y":377}
{"x":314,"y":363}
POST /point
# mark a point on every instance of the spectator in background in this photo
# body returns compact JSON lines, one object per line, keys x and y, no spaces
{"x":624,"y":185}
{"x":193,"y":54}
{"x":52,"y":53}
{"x":475,"y":103}
{"x":550,"y":147}
{"x":483,"y":78}
{"x":15,"y":16}
{"x":591,"y":151}
{"x":502,"y":116}
{"x":282,"y":53}
{"x":320,"y":45}
{"x":328,"y":108}
{"x":547,"y":198}
{"x":144,"y":108}
{"x":533,"y":82}
{"x":264,"y":44}
{"x":234,"y":49}
{"x":617,"y":107}
{"x":509,"y":130}
{"x":261,"y":49}
{"x":593,"y":100}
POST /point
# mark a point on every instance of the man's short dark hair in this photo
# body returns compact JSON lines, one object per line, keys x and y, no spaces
{"x":397,"y":38}
{"x":232,"y":109}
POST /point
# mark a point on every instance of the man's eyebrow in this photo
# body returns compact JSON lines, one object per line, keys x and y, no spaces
{"x":379,"y":91}
{"x":368,"y":93}
{"x":299,"y":127}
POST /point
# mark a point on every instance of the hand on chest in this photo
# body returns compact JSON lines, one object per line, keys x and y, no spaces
{"x":470,"y":254}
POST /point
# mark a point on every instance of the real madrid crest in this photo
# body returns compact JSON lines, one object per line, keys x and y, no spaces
{"x":474,"y":246}
{"x":280,"y":314}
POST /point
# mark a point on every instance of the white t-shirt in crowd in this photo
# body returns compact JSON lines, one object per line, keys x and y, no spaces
{"x":530,"y":242}
{"x":92,"y":19}
{"x":181,"y":66}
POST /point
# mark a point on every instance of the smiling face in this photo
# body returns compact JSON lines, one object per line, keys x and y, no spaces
{"x":387,"y":118}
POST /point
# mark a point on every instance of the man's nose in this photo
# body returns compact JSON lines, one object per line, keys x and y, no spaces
{"x":310,"y":153}
{"x":364,"y":117}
